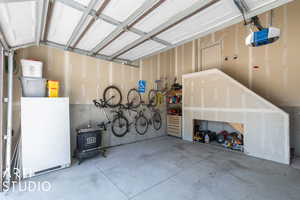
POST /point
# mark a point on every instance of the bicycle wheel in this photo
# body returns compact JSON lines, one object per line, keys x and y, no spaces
{"x":120,"y":126}
{"x":152,"y":98}
{"x":141,"y":125}
{"x":134,"y":98}
{"x":112,"y":96}
{"x":156,"y":119}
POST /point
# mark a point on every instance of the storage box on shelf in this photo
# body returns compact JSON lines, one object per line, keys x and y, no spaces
{"x":53,"y":88}
{"x":32,"y":82}
{"x":33,"y":87}
{"x":32,"y":68}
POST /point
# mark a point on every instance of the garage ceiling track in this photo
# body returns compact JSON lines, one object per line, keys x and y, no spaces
{"x":117,"y":30}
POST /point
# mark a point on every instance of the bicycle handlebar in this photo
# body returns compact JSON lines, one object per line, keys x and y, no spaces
{"x":99,"y":103}
{"x":103,"y":125}
{"x":96,"y":103}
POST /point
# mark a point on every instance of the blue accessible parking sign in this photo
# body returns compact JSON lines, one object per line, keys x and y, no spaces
{"x":142,"y":86}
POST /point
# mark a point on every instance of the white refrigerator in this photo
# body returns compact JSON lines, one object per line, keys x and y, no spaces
{"x":45,"y":130}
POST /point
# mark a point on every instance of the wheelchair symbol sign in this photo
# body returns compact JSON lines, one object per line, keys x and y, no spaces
{"x":142,"y":86}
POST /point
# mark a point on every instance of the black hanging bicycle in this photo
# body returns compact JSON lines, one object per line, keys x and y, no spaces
{"x":134,"y":98}
{"x":142,"y":122}
{"x":152,"y":98}
{"x":112,"y":96}
{"x":119,"y":123}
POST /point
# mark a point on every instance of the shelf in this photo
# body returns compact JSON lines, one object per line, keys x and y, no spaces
{"x":174,"y":125}
{"x":174,"y":121}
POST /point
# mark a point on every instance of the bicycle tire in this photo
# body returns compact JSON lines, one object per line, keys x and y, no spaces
{"x":152,"y":98}
{"x":107,"y":98}
{"x":156,"y":119}
{"x":134,"y":92}
{"x":141,"y":132}
{"x":114,"y":126}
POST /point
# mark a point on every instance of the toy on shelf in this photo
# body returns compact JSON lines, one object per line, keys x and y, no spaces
{"x":174,"y":102}
{"x":232,"y":140}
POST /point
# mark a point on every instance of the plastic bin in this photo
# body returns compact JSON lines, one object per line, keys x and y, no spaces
{"x":31,"y":68}
{"x":33,"y":87}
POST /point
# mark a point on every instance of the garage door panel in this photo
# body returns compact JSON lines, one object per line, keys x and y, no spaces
{"x":163,"y":13}
{"x":122,"y":41}
{"x":202,"y":22}
{"x":142,"y":50}
{"x":63,"y":21}
{"x":98,"y":32}
{"x":18,"y":29}
{"x":122,"y":9}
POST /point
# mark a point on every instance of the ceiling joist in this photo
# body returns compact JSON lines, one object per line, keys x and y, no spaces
{"x":48,"y":19}
{"x":174,"y":31}
{"x":109,"y":20}
{"x":81,"y":23}
{"x":87,"y":53}
{"x":138,"y":15}
{"x":185,"y":14}
{"x":30,"y":44}
{"x":42,"y":12}
{"x":99,"y":11}
{"x":3,"y":41}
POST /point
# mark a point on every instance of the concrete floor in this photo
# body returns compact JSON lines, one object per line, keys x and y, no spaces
{"x":169,"y":168}
{"x":296,"y":163}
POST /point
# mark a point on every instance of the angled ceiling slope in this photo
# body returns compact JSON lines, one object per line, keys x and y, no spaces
{"x":117,"y":30}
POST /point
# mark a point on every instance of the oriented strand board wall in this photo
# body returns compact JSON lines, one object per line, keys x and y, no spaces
{"x":277,"y":76}
{"x":212,"y":95}
{"x":276,"y":79}
{"x":84,"y":78}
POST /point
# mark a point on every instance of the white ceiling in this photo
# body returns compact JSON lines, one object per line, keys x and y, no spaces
{"x":63,"y":21}
{"x":18,"y":28}
{"x":108,"y":34}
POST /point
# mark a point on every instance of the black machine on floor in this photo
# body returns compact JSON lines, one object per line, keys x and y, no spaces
{"x":89,"y":142}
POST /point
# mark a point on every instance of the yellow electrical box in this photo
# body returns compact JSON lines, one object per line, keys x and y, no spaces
{"x":53,"y":88}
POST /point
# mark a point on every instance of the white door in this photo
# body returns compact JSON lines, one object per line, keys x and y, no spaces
{"x":211,"y":57}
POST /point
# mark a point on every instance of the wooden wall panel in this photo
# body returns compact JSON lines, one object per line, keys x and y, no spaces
{"x":278,"y":63}
{"x":82,"y":78}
